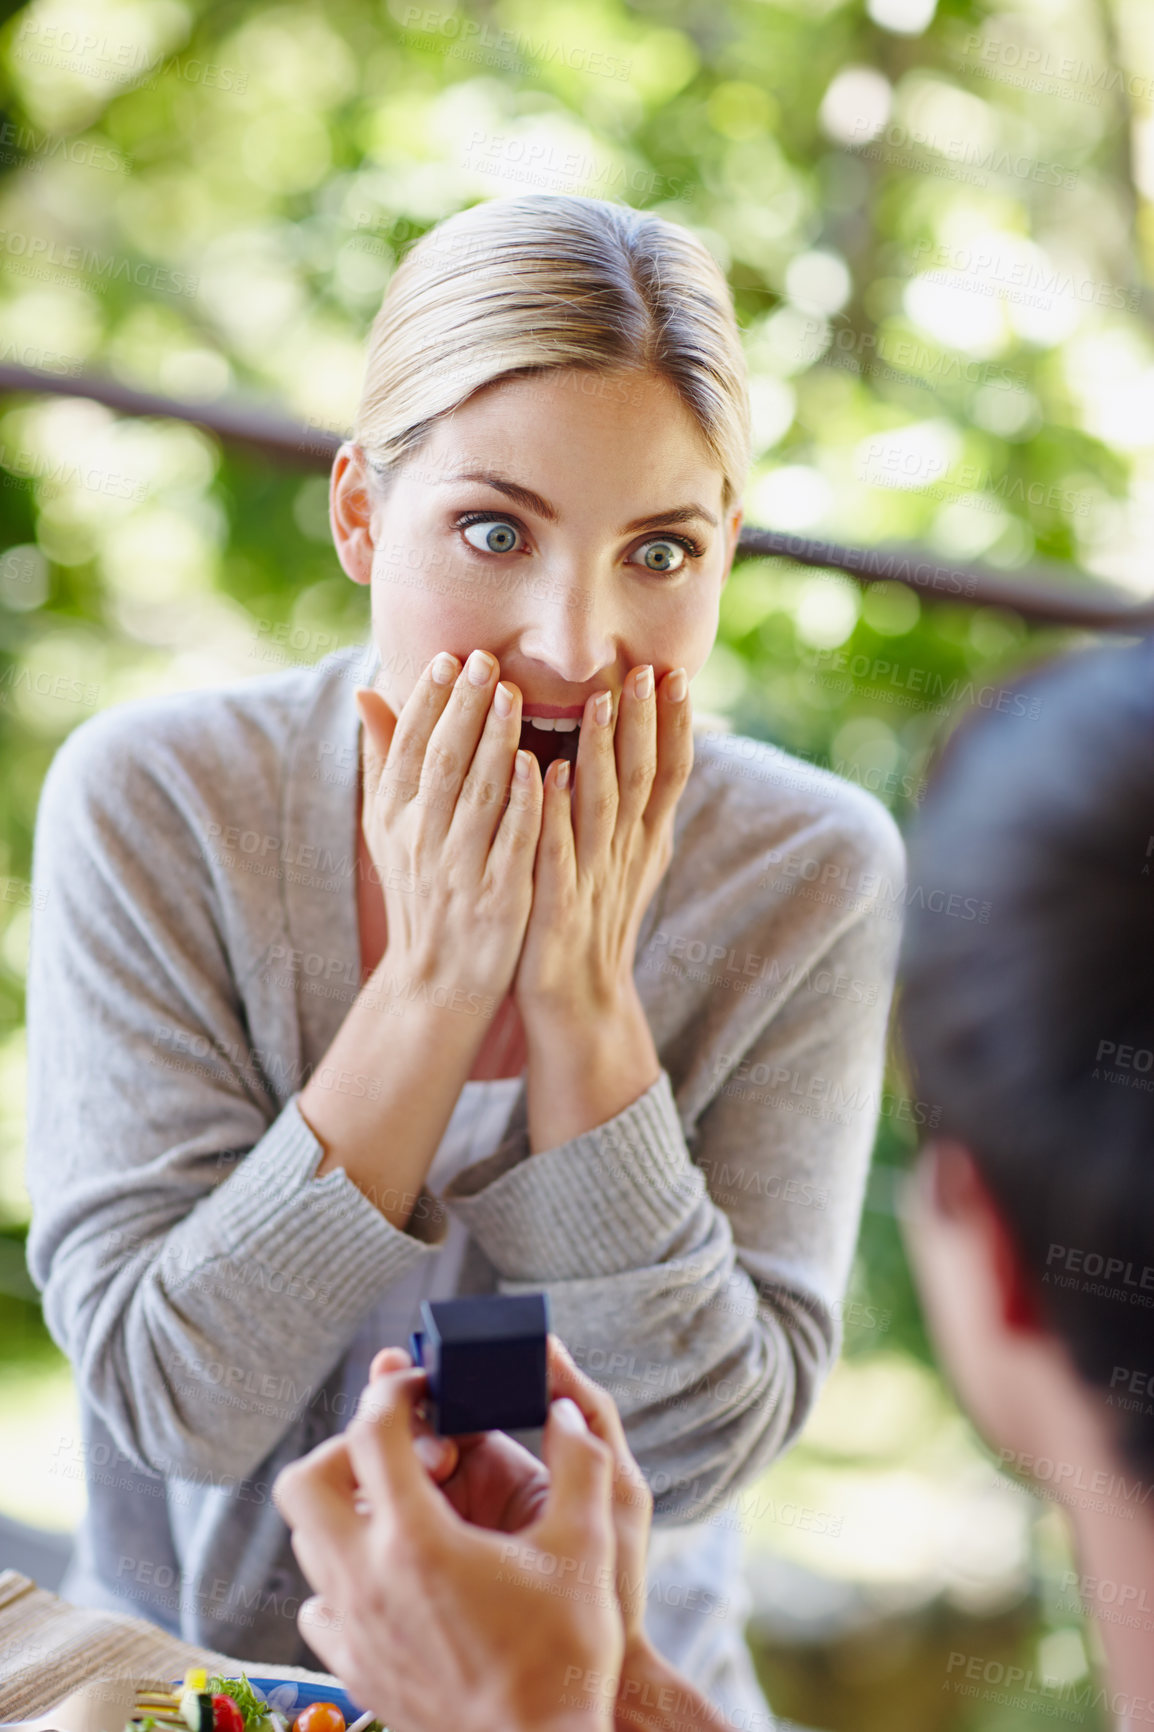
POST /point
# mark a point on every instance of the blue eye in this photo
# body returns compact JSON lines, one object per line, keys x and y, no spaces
{"x":498,"y":537}
{"x":663,"y":559}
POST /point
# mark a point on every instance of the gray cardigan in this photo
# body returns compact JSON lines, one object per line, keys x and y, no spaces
{"x":194,"y":951}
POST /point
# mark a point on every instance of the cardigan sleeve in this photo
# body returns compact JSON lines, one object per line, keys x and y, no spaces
{"x":202,"y":1281}
{"x":702,"y":1288}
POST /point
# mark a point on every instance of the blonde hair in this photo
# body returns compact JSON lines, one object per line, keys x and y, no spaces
{"x":515,"y":286}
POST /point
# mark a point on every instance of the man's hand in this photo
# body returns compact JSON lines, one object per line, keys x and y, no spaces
{"x":495,"y":1483}
{"x":431,"y":1620}
{"x":492,"y":1481}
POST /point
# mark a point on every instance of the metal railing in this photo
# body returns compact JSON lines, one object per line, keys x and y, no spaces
{"x":1056,"y":595}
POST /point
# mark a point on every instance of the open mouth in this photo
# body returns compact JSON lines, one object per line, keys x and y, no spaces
{"x":547,"y":743}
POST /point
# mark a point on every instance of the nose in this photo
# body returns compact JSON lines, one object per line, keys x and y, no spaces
{"x":569,"y":634}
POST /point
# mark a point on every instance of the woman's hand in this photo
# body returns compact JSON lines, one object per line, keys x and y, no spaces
{"x":436,"y":778}
{"x":599,"y":864}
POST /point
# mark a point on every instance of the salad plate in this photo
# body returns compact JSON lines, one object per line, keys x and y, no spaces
{"x":287,"y":1697}
{"x":200,"y":1703}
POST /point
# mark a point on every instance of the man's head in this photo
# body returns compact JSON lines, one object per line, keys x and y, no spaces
{"x":1027,"y":1012}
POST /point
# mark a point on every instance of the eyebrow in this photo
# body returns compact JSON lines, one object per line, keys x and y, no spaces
{"x":531,"y":501}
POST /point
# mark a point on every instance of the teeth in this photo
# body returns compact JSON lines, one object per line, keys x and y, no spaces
{"x":565,"y":725}
{"x":545,"y":722}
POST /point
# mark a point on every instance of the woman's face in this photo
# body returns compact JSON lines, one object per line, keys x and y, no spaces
{"x":588,"y":540}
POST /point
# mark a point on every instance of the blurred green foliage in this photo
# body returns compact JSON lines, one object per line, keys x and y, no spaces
{"x":208,"y":200}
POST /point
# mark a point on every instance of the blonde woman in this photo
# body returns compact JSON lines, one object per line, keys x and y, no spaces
{"x":353,"y":984}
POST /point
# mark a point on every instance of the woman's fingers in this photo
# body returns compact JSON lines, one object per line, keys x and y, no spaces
{"x":519,"y":830}
{"x":595,"y":799}
{"x":379,"y":724}
{"x":674,"y":750}
{"x":414,"y":726}
{"x":453,"y":741}
{"x":634,"y":770}
{"x":636,"y":748}
{"x":487,"y":785}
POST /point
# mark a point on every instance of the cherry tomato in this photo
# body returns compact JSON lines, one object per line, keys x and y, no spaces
{"x":226,"y":1716}
{"x":320,"y":1717}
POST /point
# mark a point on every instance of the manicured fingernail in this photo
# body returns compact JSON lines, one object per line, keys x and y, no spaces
{"x":677,"y":686}
{"x":521,"y":767}
{"x":561,"y":773}
{"x":643,"y":683}
{"x":445,"y":668}
{"x":479,"y":668}
{"x":601,"y":708}
{"x":503,"y":701}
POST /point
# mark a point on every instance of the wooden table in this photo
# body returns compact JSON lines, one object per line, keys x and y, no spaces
{"x":48,"y":1648}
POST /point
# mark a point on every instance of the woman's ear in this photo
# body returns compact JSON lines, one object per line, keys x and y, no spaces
{"x":732,"y":531}
{"x":351,"y":512}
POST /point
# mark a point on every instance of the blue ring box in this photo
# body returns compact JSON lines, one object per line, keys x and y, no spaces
{"x":485,"y":1359}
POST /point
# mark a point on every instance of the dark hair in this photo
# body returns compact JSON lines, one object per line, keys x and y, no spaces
{"x":1030,"y":1024}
